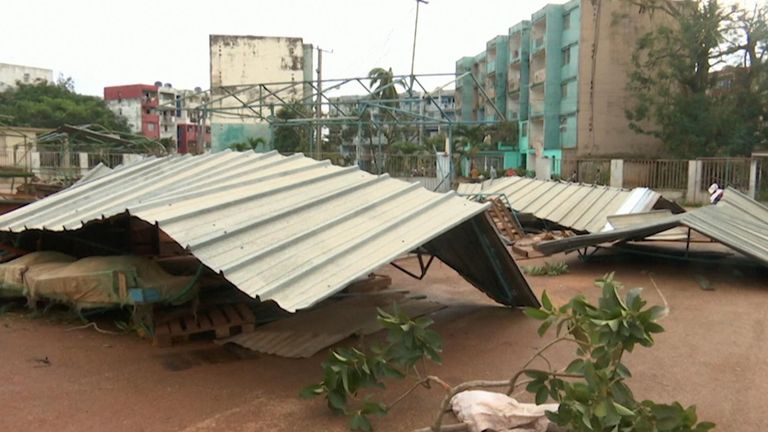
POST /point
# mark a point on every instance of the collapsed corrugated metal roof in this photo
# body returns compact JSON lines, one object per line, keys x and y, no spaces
{"x":737,"y":221}
{"x":288,"y":229}
{"x":577,"y":206}
{"x":98,"y":171}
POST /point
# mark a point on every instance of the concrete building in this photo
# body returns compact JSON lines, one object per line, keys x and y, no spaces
{"x":159,"y":111}
{"x":10,"y":74}
{"x":239,"y":62}
{"x":564,"y":80}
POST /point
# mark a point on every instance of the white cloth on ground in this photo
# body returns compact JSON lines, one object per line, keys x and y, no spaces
{"x":489,"y":411}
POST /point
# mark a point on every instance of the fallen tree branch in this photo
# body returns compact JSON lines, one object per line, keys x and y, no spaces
{"x":421,"y":383}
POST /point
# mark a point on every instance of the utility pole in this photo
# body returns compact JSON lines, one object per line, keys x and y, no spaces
{"x":413,"y":53}
{"x":319,"y":105}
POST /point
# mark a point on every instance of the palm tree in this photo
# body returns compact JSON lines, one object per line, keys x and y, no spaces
{"x":384,"y":85}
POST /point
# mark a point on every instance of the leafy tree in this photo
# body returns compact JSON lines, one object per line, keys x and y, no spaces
{"x":679,"y":71}
{"x":251,"y":144}
{"x":406,"y":148}
{"x":48,"y":105}
{"x":384,"y":91}
{"x":291,"y":138}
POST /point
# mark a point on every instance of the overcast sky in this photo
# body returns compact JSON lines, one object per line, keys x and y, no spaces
{"x":102,"y":43}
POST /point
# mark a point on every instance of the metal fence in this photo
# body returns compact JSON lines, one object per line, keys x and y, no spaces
{"x":109,"y":159}
{"x":727,"y":172}
{"x":593,"y":171}
{"x":656,"y":174}
{"x":382,"y":163}
{"x":761,"y":194}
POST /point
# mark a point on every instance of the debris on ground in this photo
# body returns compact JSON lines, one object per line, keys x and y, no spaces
{"x":308,"y":332}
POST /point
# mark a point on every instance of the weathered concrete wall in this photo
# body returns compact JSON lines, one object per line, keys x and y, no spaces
{"x":224,"y":135}
{"x":130,"y":109}
{"x":239,"y":61}
{"x":9,"y":74}
{"x":603,"y":129}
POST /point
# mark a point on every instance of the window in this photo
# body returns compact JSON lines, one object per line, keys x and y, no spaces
{"x":567,"y":56}
{"x":523,"y":129}
{"x":151,"y":127}
{"x":26,"y":77}
{"x":165,"y":128}
{"x":564,"y":91}
{"x":567,"y":21}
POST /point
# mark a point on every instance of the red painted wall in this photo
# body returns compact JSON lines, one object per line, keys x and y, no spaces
{"x":133,"y":91}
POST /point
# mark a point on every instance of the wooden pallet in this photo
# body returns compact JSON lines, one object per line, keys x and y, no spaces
{"x":223,"y":321}
{"x":505,"y":222}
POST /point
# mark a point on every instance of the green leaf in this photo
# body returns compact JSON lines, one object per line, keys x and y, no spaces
{"x":601,"y":409}
{"x":658,"y":312}
{"x":311,"y":391}
{"x":623,"y":371}
{"x":546,"y":325}
{"x":534,"y":313}
{"x":374,"y":408}
{"x":546,"y":303}
{"x":360,"y":422}
{"x":622,"y":410}
{"x":704,"y":427}
{"x":541,"y":395}
{"x":336,"y":402}
{"x":575,"y":367}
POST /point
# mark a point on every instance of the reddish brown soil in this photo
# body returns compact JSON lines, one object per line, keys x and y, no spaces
{"x":712,"y":355}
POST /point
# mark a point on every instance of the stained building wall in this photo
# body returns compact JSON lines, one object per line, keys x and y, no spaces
{"x":603,"y":129}
{"x":10,"y":74}
{"x":239,"y":62}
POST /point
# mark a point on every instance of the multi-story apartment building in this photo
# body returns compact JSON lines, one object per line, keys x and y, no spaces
{"x":10,"y":74}
{"x":160,"y":112}
{"x":564,"y":81}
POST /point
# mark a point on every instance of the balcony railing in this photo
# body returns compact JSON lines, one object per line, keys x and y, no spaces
{"x":490,"y":68}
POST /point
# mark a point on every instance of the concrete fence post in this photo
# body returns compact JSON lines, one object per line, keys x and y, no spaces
{"x":35,"y":163}
{"x":543,"y":168}
{"x":694,"y":190}
{"x":617,"y":173}
{"x":753,"y":179}
{"x":83,"y":163}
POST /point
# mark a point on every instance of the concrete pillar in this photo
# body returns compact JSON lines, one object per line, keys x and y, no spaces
{"x":443,"y":170}
{"x":617,"y":173}
{"x":694,"y":190}
{"x":84,"y":167}
{"x":543,"y":168}
{"x":35,"y":163}
{"x":129,"y":157}
{"x":753,"y":178}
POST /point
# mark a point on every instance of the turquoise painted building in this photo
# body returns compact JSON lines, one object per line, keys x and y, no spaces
{"x":531,"y":76}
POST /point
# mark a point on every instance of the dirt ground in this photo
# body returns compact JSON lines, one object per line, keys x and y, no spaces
{"x":712,"y":355}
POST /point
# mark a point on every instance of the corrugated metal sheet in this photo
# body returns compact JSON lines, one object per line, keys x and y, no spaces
{"x":576,"y":206}
{"x":637,"y":219}
{"x":737,"y":221}
{"x":288,"y":229}
{"x":99,"y":170}
{"x":308,"y":332}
